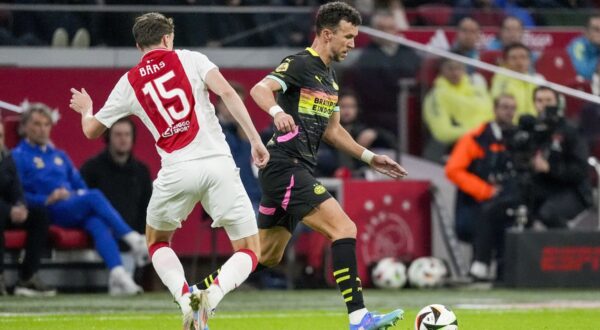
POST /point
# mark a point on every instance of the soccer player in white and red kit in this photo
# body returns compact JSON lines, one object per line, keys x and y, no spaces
{"x":168,"y":91}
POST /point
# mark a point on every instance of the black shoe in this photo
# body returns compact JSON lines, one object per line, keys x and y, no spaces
{"x":3,"y":291}
{"x":33,"y":287}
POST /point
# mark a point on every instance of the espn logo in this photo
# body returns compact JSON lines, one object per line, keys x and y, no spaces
{"x":570,"y":259}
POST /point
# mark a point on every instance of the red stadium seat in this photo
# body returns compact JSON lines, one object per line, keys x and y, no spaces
{"x":491,"y":57}
{"x":14,"y":239}
{"x":435,"y":14}
{"x":11,"y":130}
{"x":555,"y":65}
{"x":66,"y":239}
{"x":428,"y":72}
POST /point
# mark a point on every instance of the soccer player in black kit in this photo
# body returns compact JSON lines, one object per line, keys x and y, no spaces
{"x":305,"y":112}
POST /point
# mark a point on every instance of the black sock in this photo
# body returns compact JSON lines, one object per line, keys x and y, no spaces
{"x":344,"y":271}
{"x":207,"y":281}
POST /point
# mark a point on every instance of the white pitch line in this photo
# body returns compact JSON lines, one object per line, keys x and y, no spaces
{"x":529,"y":306}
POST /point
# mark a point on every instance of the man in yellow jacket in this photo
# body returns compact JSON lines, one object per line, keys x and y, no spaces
{"x":517,"y":57}
{"x":456,"y":104}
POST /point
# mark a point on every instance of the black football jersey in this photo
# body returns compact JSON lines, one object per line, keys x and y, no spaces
{"x":310,"y":95}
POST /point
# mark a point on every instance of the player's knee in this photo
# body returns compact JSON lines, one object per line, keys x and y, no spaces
{"x":347,"y":230}
{"x":270,"y":260}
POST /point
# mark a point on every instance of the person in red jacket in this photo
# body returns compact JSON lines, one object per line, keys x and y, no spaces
{"x":479,"y":165}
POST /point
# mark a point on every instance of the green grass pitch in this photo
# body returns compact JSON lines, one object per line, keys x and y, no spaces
{"x":322,"y":309}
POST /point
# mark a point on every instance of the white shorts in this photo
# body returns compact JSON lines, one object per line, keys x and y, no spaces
{"x":215,"y":182}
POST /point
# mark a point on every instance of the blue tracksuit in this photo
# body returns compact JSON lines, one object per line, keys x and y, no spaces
{"x":584,"y":56}
{"x":42,"y":170}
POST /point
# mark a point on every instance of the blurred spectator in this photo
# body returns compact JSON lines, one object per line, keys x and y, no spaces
{"x":511,"y":32}
{"x":240,"y":147}
{"x":517,"y":57}
{"x":50,"y":179}
{"x":370,"y":138}
{"x":395,"y":7}
{"x":468,"y":34}
{"x":478,"y":165}
{"x":15,"y":214}
{"x":515,"y":8}
{"x":454,"y":106}
{"x":589,"y":120}
{"x":561,"y":188}
{"x":585,"y":50}
{"x":55,"y":27}
{"x":121,"y":177}
{"x":377,"y":73}
{"x":485,"y":12}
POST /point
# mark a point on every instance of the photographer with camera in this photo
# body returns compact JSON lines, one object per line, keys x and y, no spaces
{"x":560,"y":184}
{"x":481,"y":168}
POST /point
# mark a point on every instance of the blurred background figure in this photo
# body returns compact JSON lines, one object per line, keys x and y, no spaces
{"x":517,"y":57}
{"x":455,"y":105}
{"x":585,"y":50}
{"x":479,"y":166}
{"x":14,"y":213}
{"x":511,"y":32}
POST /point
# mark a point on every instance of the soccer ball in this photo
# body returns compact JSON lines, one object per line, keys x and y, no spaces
{"x":389,"y":274}
{"x":427,"y":272}
{"x":436,"y":317}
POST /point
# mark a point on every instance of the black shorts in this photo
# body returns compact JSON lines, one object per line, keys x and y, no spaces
{"x":289,"y":193}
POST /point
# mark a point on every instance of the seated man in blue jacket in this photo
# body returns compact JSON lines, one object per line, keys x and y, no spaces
{"x":50,"y":179}
{"x":585,"y":50}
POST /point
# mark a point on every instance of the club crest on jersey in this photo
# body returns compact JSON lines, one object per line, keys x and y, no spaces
{"x":58,"y":161}
{"x":180,"y":127}
{"x":38,"y":162}
{"x":319,"y":189}
{"x":335,"y":86}
{"x":282,"y":67}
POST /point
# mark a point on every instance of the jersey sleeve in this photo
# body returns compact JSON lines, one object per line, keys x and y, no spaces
{"x":289,"y":72}
{"x":117,"y":105}
{"x":203,"y":64}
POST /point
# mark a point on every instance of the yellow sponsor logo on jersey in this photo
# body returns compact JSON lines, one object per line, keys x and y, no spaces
{"x":316,"y":103}
{"x":319,"y":189}
{"x":38,"y":162}
{"x":318,"y":78}
{"x":335,"y":86}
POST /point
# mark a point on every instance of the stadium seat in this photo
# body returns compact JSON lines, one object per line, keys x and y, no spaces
{"x":428,"y":72}
{"x":435,"y":14}
{"x":67,"y":239}
{"x":14,"y":239}
{"x":11,"y":129}
{"x":491,"y":57}
{"x":555,"y":65}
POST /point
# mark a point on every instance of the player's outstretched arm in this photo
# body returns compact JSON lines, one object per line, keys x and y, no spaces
{"x":262,"y":93}
{"x":218,"y":85}
{"x":81,"y":102}
{"x":337,"y":136}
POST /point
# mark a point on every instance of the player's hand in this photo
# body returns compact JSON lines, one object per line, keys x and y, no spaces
{"x":18,"y":214}
{"x":260,"y":155}
{"x":284,"y":122}
{"x":540,"y":164}
{"x":80,"y":100}
{"x":385,"y":165}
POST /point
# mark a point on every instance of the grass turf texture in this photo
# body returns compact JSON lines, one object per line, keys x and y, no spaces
{"x":478,"y":310}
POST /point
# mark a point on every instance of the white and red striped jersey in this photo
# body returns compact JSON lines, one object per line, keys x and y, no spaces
{"x":166,"y":90}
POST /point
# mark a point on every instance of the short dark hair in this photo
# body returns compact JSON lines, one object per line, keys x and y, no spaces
{"x":508,"y":48}
{"x":502,"y":96}
{"x":124,"y":120}
{"x":546,"y":88}
{"x":149,"y":29}
{"x":330,"y":15}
